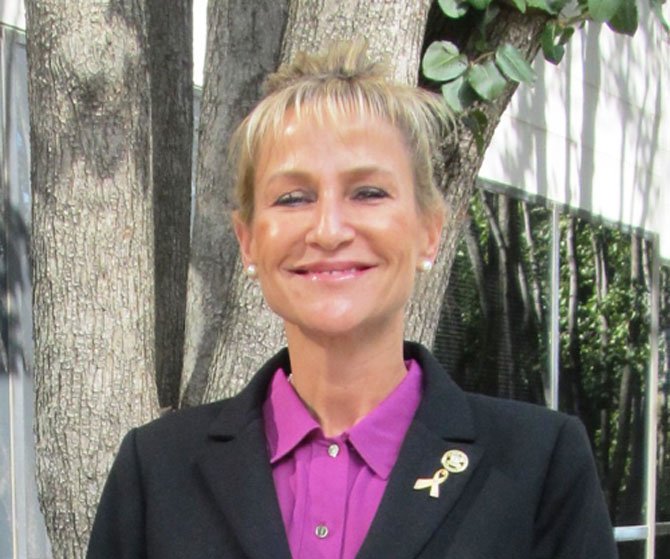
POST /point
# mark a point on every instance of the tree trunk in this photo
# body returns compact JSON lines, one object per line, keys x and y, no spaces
{"x":573,"y":369}
{"x":500,"y":329}
{"x":535,"y":271}
{"x":93,"y":249}
{"x":243,"y":46}
{"x":170,"y":35}
{"x":605,"y":375}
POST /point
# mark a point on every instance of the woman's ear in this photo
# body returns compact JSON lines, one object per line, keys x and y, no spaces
{"x":433,"y":224}
{"x":243,"y":234}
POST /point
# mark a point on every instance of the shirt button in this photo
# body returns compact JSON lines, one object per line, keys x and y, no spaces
{"x":333,"y":450}
{"x":321,"y":531}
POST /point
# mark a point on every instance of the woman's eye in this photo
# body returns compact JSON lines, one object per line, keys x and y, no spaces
{"x":370,"y":193}
{"x":293,"y":198}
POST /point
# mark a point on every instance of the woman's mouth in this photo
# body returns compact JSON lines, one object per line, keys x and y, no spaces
{"x":331,"y":271}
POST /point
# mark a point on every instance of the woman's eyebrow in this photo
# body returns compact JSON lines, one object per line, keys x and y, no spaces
{"x":297,"y":175}
{"x":366,"y":171}
{"x":354,"y":173}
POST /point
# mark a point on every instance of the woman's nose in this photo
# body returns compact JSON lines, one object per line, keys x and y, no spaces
{"x":331,"y":228}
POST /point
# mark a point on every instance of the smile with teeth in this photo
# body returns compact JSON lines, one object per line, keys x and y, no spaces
{"x":338,"y":273}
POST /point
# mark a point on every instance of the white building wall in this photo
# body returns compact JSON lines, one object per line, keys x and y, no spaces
{"x":12,"y":13}
{"x":594,"y":132}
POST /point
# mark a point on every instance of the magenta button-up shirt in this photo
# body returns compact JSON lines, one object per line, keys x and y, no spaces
{"x":329,"y":489}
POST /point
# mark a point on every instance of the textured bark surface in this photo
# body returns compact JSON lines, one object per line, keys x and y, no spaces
{"x":243,"y":46}
{"x":170,"y":38}
{"x":394,"y":29}
{"x":250,"y":332}
{"x":92,"y":244}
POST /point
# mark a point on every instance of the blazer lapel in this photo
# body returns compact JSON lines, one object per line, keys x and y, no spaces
{"x":236,"y":469}
{"x":408,"y":517}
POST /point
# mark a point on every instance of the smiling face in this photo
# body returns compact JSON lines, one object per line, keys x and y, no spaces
{"x":336,"y":235}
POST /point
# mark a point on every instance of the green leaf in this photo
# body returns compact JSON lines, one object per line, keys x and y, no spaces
{"x":626,"y":19}
{"x":486,"y":80}
{"x":543,"y":5}
{"x":552,"y":52}
{"x":479,"y":4}
{"x":476,"y":122}
{"x":454,"y":8}
{"x":443,"y":61}
{"x":603,"y":10}
{"x":566,"y":35}
{"x":558,"y":5}
{"x":520,"y":5}
{"x":512,"y":63}
{"x":458,"y":95}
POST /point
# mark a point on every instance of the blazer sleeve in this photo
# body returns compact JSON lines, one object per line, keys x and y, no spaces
{"x":572,"y":521}
{"x":118,"y":529}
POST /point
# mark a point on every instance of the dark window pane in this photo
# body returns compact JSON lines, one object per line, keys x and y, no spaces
{"x":662,"y":547}
{"x":604,"y":300}
{"x":663,"y":470}
{"x":492,"y":334}
{"x":632,"y":550}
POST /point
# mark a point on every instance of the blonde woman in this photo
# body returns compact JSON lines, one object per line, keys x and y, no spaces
{"x":350,"y":442}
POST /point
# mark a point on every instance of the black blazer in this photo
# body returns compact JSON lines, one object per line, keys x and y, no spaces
{"x":197,"y":484}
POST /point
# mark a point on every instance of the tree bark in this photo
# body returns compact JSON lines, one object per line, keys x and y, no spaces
{"x":535,"y":272}
{"x":243,"y":46}
{"x":93,"y":249}
{"x":602,"y":281}
{"x":170,"y":36}
{"x":571,"y":390}
{"x":500,"y":329}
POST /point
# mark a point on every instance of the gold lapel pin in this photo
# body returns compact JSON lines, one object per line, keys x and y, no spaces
{"x":453,"y":462}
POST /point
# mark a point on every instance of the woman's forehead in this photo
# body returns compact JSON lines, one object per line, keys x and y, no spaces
{"x":308,"y":126}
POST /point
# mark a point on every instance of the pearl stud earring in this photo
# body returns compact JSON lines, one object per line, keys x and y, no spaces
{"x":251,"y":271}
{"x":426,"y":265}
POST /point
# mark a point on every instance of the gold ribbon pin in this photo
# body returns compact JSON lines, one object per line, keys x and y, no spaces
{"x":453,"y":462}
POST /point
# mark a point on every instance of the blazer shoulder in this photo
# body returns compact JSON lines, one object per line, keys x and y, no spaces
{"x":183,"y":429}
{"x":524,"y":429}
{"x":513,"y":414}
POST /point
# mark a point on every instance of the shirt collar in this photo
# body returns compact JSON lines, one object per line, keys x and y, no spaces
{"x":287,"y":420}
{"x":377,"y":437}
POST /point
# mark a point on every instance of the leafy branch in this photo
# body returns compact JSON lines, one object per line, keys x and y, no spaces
{"x":484,"y":73}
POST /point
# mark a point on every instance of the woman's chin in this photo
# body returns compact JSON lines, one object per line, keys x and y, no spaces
{"x":352,"y":327}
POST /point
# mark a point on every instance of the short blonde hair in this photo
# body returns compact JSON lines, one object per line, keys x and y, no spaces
{"x":341,"y":80}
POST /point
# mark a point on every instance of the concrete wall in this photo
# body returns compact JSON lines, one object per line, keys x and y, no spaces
{"x":12,"y":13}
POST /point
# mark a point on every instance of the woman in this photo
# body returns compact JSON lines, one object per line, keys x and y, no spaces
{"x":350,"y":443}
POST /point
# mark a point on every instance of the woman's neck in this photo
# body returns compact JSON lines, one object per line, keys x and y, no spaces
{"x":342,"y":380}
